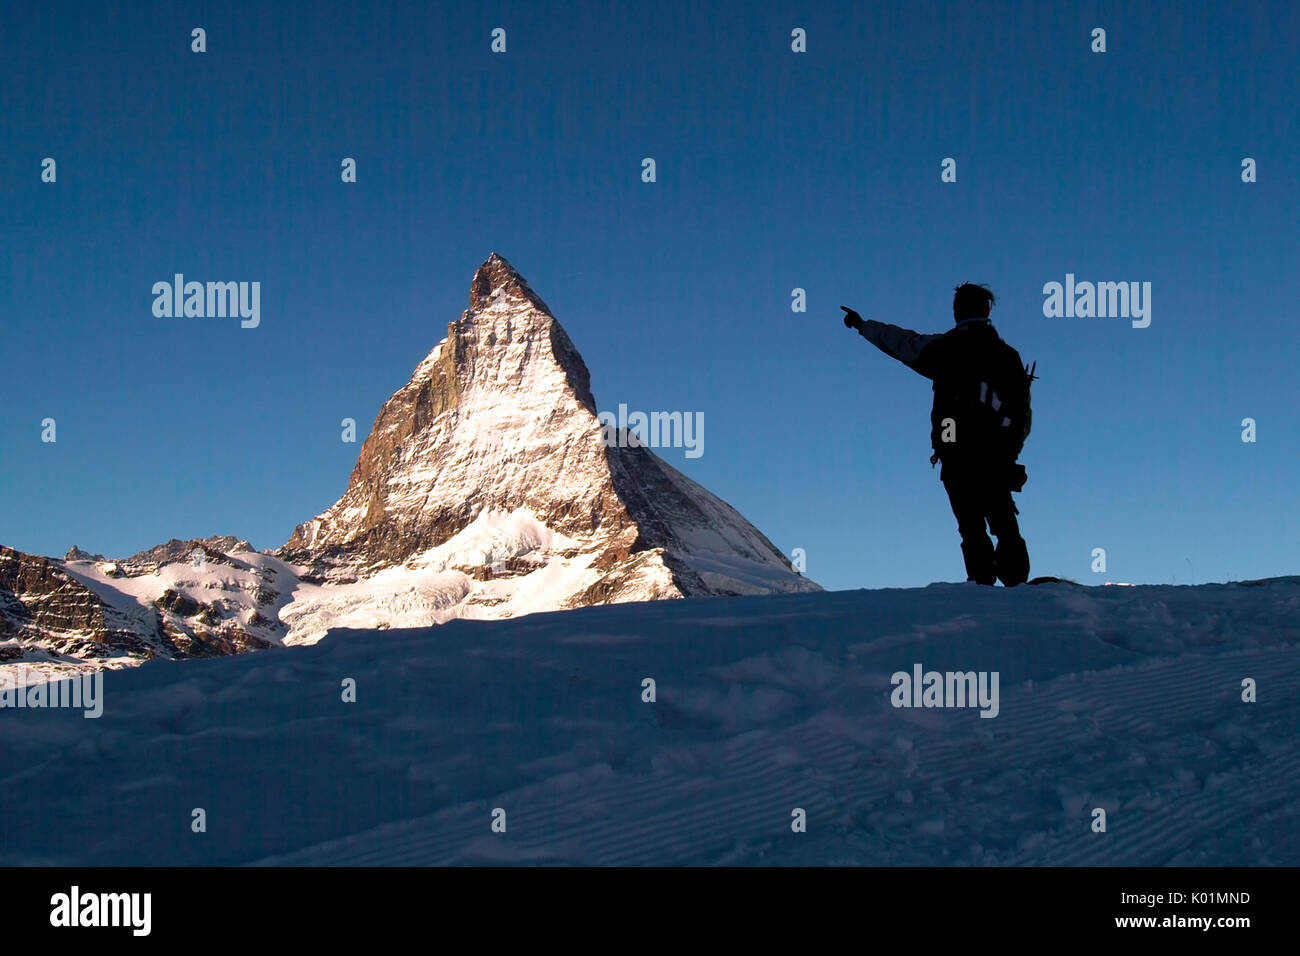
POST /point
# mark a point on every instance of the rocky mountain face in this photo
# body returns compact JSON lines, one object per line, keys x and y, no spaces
{"x":487,"y":487}
{"x":41,"y":603}
{"x":85,"y":608}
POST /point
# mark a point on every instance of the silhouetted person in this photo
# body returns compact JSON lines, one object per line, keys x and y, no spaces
{"x":978,"y":424}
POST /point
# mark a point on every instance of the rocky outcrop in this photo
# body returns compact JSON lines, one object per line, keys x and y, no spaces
{"x":215,"y":548}
{"x":42,"y":604}
{"x":76,"y":554}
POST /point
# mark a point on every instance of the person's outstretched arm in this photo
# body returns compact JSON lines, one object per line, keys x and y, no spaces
{"x":896,"y":342}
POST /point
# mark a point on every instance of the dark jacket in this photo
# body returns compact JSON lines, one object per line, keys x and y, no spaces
{"x":981,"y":388}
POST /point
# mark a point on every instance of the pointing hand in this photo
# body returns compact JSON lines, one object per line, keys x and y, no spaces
{"x":851,"y":319}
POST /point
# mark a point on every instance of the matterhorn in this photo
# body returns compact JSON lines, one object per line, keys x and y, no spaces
{"x":488,"y":487}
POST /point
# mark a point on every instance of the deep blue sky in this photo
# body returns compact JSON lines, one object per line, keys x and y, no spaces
{"x":776,"y":170}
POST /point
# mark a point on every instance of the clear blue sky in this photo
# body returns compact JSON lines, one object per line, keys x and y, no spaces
{"x":776,"y":170}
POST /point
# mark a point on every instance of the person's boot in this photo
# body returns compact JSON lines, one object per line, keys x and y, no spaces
{"x":978,"y":556}
{"x":1011,"y":561}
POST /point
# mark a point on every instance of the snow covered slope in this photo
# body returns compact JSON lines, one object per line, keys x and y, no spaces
{"x":1124,"y":699}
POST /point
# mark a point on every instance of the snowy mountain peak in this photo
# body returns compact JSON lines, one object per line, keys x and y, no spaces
{"x":497,"y":278}
{"x":486,"y":477}
{"x":508,"y":339}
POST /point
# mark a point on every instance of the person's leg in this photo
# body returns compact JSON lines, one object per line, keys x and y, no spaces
{"x":968,"y":508}
{"x":1011,"y":559}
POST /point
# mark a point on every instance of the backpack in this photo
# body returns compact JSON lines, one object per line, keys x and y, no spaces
{"x":994,"y":404}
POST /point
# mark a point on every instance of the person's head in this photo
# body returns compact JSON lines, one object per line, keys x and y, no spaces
{"x":971,"y":301}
